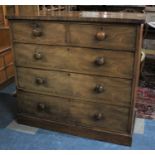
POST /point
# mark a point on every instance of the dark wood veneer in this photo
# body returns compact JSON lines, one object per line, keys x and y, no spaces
{"x":77,"y":72}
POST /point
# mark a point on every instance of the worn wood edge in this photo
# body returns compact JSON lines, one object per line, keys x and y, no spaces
{"x":75,"y":72}
{"x":4,"y":28}
{"x":88,"y":16}
{"x":48,"y":18}
{"x":127,"y":105}
{"x":4,"y":49}
{"x":14,"y":55}
{"x":73,"y":45}
{"x":133,"y":121}
{"x":72,"y":98}
{"x":122,"y":139}
{"x":48,"y":43}
{"x":136,"y":72}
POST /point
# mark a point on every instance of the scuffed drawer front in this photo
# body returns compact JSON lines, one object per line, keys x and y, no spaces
{"x":40,"y":32}
{"x":81,"y":60}
{"x":110,"y":90}
{"x":117,"y":37}
{"x":73,"y":112}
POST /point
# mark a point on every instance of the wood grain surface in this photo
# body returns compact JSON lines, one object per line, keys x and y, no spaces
{"x":78,"y":72}
{"x":112,"y":137}
{"x":115,"y":91}
{"x":89,"y":16}
{"x":80,"y":60}
{"x":51,"y":33}
{"x":117,"y":37}
{"x":73,"y":112}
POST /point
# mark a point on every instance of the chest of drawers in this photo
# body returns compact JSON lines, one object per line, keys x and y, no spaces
{"x":77,"y":73}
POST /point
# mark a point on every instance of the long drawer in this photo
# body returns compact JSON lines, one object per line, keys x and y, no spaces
{"x":73,"y":112}
{"x":101,"y":89}
{"x":39,"y":32}
{"x":81,"y":60}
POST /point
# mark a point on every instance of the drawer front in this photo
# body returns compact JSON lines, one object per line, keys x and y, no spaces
{"x":117,"y":37}
{"x":81,"y":60}
{"x":39,"y":32}
{"x":96,"y":116}
{"x":111,"y":90}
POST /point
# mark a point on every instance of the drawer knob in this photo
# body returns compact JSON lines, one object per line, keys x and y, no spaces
{"x":98,"y":116}
{"x":41,"y":107}
{"x":99,"y":88}
{"x":100,"y":36}
{"x":39,"y":81}
{"x":99,"y":61}
{"x":38,"y":55}
{"x":37,"y":32}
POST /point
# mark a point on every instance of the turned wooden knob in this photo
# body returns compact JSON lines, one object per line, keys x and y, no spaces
{"x":99,"y":61}
{"x":41,"y":107}
{"x":38,"y":55}
{"x":39,"y":81}
{"x":100,"y":36}
{"x":37,"y":32}
{"x":99,"y":88}
{"x":98,"y":116}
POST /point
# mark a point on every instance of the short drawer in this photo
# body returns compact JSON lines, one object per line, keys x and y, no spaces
{"x":41,"y":32}
{"x":111,"y":90}
{"x":80,"y":60}
{"x":73,"y":112}
{"x":110,"y":36}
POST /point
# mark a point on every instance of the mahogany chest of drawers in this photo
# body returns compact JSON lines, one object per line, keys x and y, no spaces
{"x":77,"y":73}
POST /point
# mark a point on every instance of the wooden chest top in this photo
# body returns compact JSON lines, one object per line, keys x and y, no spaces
{"x":86,"y":16}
